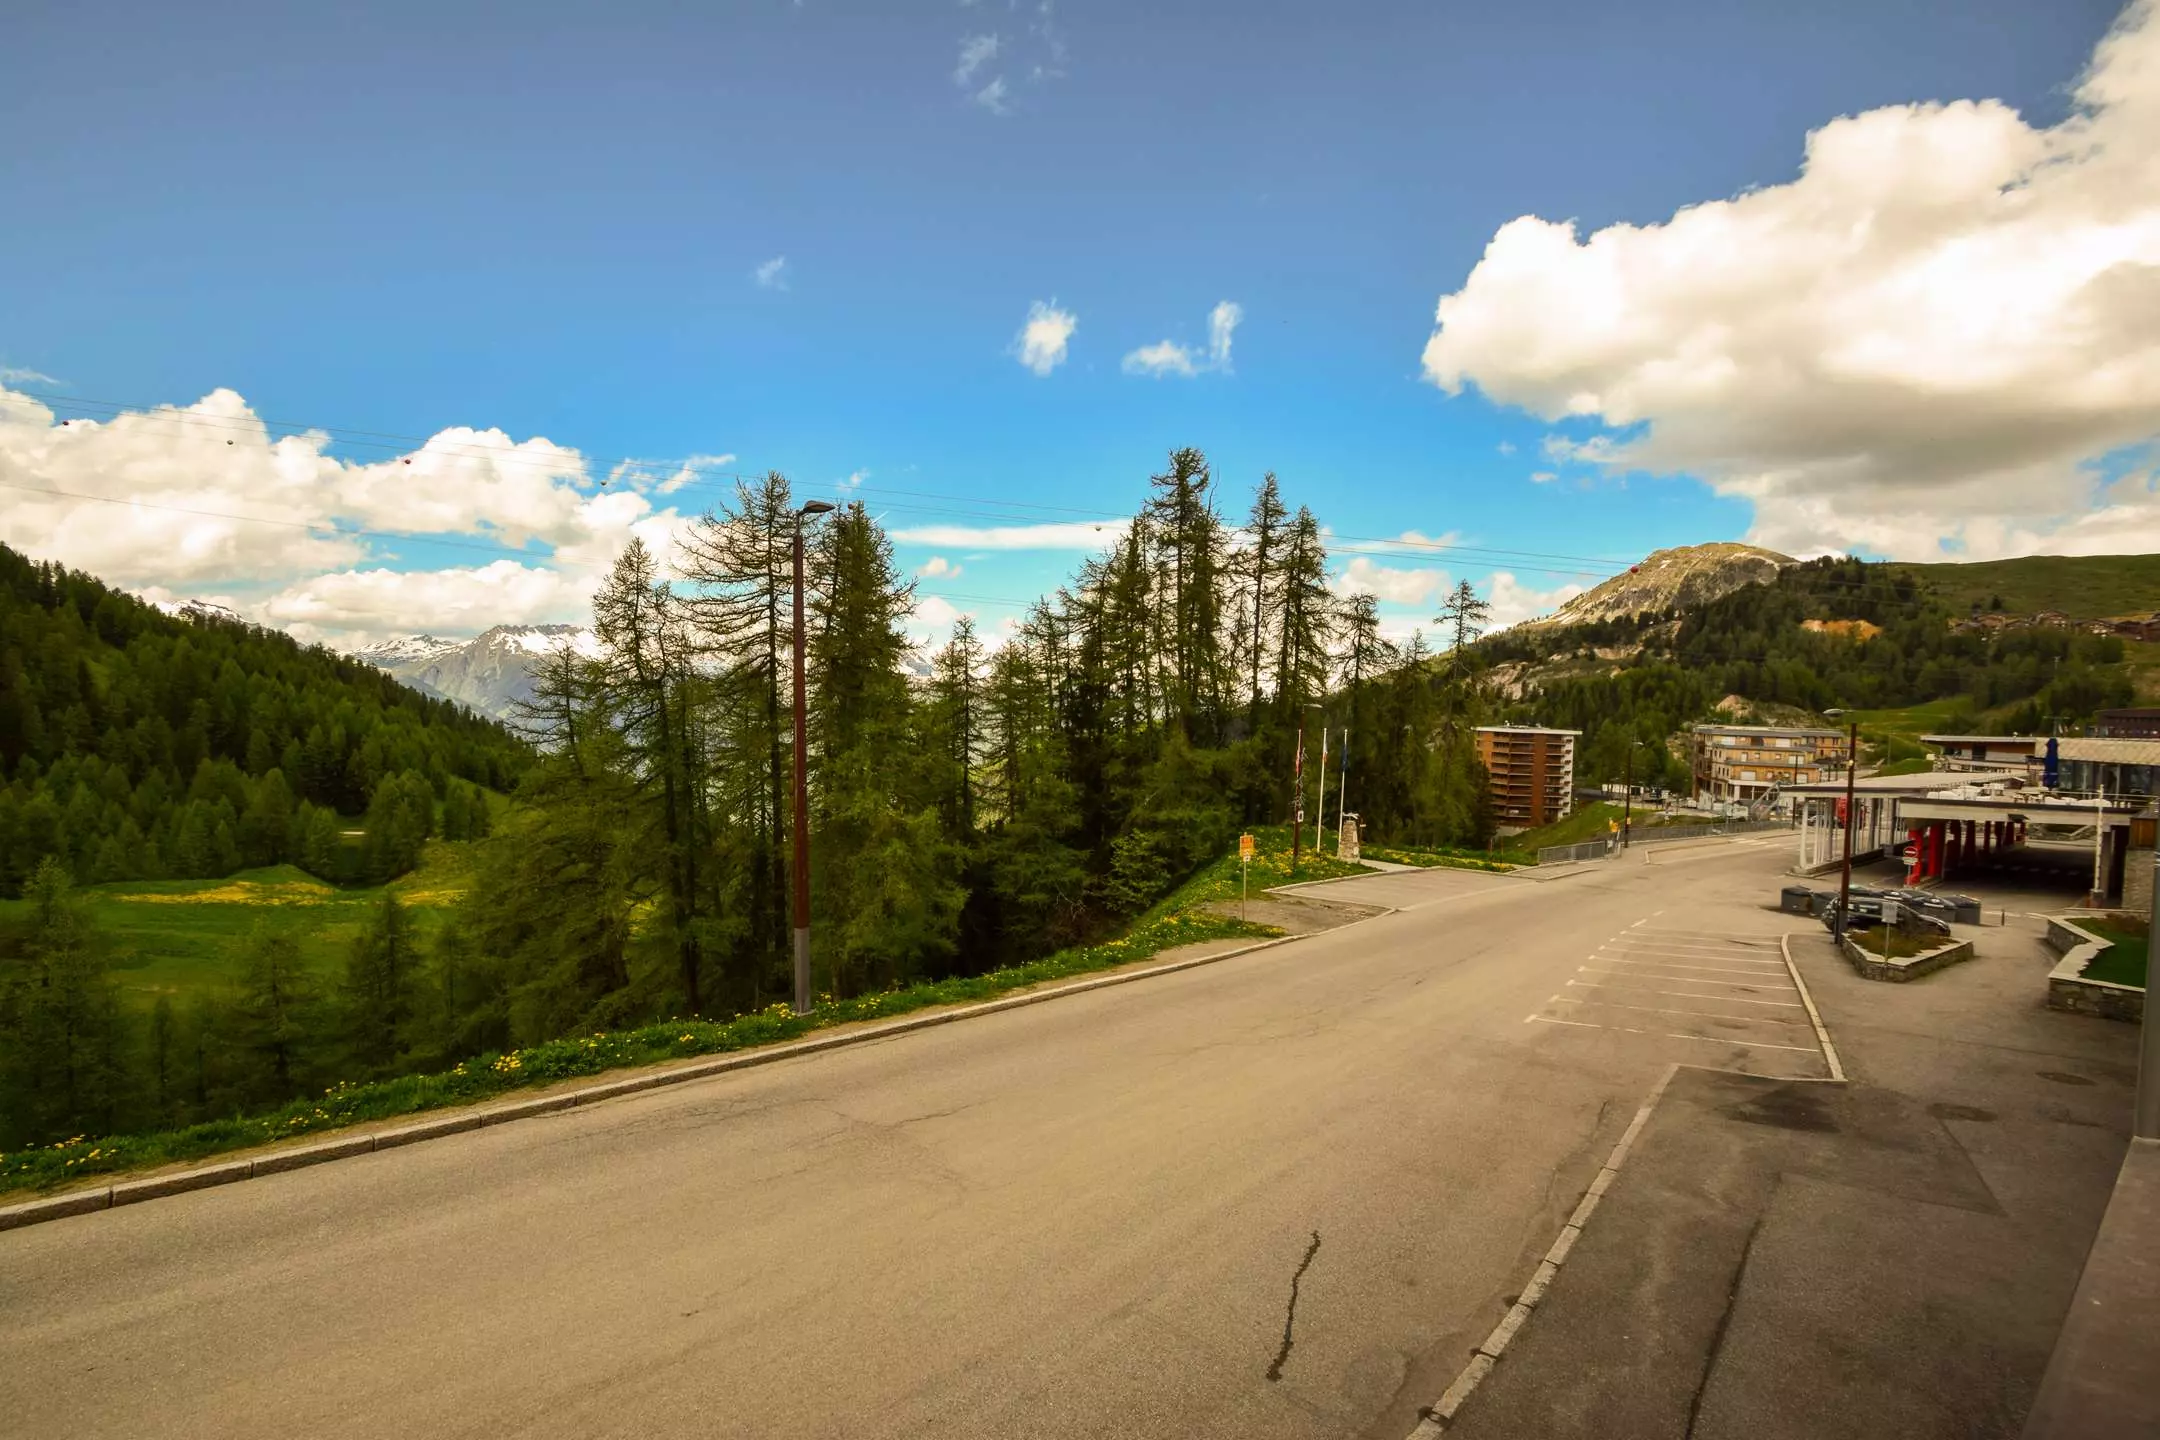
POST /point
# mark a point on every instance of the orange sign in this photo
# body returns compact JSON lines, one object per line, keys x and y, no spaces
{"x":1244,"y":847}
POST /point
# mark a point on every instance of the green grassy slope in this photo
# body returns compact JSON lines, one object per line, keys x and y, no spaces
{"x":179,"y":938}
{"x":2083,"y":587}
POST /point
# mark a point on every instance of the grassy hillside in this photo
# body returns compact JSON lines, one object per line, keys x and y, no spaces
{"x":2083,"y":587}
{"x":183,"y":938}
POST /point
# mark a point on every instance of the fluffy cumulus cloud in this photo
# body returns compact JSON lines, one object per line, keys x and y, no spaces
{"x":203,"y":498}
{"x":1514,"y":602}
{"x":1168,"y":357}
{"x":937,"y":567}
{"x":1942,"y":337}
{"x":1042,"y":340}
{"x":1396,"y":585}
{"x":772,"y":274}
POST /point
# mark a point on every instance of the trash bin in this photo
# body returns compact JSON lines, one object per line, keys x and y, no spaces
{"x":1797,"y":900}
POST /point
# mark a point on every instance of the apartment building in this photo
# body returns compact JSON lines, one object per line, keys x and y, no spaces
{"x":1747,"y":762}
{"x":1532,"y":772}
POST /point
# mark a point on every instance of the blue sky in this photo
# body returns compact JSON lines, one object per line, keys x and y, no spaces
{"x":550,"y":221}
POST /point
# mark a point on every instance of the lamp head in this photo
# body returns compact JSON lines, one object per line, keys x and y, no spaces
{"x":814,"y":507}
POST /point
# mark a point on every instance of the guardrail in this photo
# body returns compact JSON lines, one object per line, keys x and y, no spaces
{"x":1650,"y":835}
{"x":1568,"y":854}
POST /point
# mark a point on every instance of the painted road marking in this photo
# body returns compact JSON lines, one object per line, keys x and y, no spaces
{"x":1684,"y":994}
{"x":1666,"y":1010}
{"x":1705,"y":952}
{"x":1656,"y":964}
{"x":1675,"y":1035}
{"x":1676,"y":979}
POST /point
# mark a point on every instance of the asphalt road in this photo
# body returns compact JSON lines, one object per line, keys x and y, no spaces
{"x":1082,"y":1218}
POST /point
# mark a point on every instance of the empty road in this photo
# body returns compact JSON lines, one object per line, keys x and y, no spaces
{"x":1280,"y":1196}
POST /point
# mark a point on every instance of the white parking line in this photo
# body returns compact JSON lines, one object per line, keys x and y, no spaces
{"x":1631,"y":959}
{"x":1684,"y":962}
{"x":1675,"y":1035}
{"x":1687,"y":994}
{"x":1664,"y":1010}
{"x":1753,"y":979}
{"x":1687,"y":952}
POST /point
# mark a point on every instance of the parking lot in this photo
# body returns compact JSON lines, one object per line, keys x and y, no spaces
{"x":1719,"y":999}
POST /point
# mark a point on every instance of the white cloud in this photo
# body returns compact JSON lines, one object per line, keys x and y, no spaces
{"x":17,"y":375}
{"x":693,"y":471}
{"x":773,"y":274}
{"x":180,"y":498}
{"x":1167,"y":357}
{"x":378,"y":602}
{"x":1514,"y":602}
{"x":1164,"y":357}
{"x":937,"y":567}
{"x":1542,"y":477}
{"x":1925,"y":339}
{"x":992,"y":97}
{"x":1042,"y":340}
{"x":1506,"y":447}
{"x":1405,"y":586}
{"x":1059,"y":535}
{"x":976,"y":51}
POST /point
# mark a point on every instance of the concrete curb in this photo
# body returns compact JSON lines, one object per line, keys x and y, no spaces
{"x":179,"y":1182}
{"x":1435,"y":1418}
{"x":1822,"y":1035}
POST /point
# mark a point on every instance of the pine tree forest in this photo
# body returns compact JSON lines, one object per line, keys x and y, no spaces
{"x":972,"y":808}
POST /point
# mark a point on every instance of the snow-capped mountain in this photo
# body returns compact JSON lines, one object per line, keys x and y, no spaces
{"x":407,"y":650}
{"x":491,"y":672}
{"x":194,"y":609}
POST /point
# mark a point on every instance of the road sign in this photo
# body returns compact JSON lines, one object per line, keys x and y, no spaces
{"x":1244,"y":847}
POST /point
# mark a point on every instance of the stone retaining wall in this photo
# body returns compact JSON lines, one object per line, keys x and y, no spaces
{"x":1871,"y":966}
{"x":2068,"y":987}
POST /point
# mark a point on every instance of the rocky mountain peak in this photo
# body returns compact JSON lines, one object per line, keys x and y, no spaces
{"x":1670,"y":580}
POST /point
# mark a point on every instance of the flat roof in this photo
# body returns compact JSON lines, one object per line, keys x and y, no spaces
{"x":1925,"y":783}
{"x":2109,"y":751}
{"x":1763,"y":730}
{"x":1983,"y":739}
{"x":1525,"y":730}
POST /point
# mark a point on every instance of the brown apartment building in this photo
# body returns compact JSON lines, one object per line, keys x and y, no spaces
{"x":1532,"y":770}
{"x":1747,"y":762}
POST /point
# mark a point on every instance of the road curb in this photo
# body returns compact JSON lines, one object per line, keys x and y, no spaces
{"x":1822,"y":1034}
{"x":156,"y":1187}
{"x":1434,"y":1419}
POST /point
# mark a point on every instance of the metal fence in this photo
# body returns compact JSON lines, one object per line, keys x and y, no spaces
{"x":1651,"y":835}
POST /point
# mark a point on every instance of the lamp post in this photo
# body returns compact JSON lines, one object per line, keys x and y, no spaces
{"x":1297,"y":785}
{"x":1852,"y":761}
{"x":802,"y":782}
{"x":1627,"y":794}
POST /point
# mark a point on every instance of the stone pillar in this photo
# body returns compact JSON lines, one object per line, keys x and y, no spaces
{"x":2137,"y":887}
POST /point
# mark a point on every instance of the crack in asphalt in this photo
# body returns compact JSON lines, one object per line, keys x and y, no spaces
{"x":1282,"y":1356}
{"x":1717,"y":1337}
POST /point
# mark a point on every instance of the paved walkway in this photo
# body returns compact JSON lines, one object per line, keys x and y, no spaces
{"x":1788,"y":1259}
{"x":2104,"y":1380}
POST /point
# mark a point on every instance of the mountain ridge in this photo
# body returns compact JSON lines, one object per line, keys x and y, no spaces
{"x":491,"y":673}
{"x":1668,"y":580}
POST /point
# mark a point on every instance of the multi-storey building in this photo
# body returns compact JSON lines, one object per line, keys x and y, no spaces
{"x":1749,"y":762}
{"x":1532,"y":772}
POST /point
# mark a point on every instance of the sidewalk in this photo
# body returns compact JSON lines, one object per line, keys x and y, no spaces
{"x":2104,"y":1380}
{"x":1811,"y":1261}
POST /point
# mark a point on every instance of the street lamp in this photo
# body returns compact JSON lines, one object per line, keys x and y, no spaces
{"x":1627,"y":793}
{"x":802,"y":783}
{"x":1297,"y":783}
{"x":1852,"y":761}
